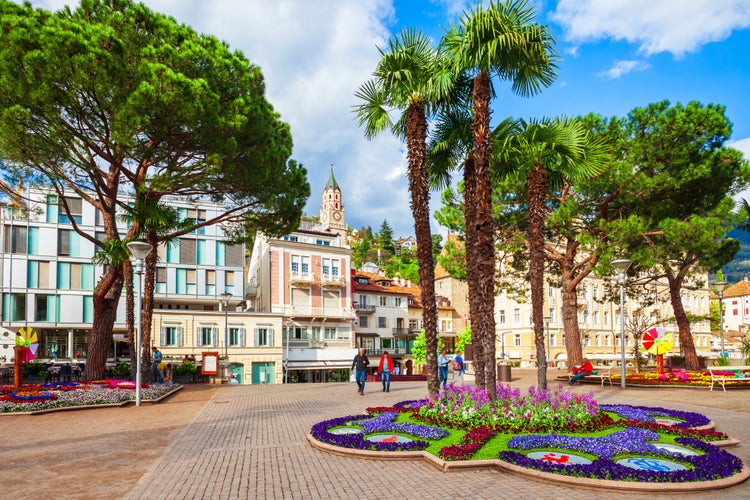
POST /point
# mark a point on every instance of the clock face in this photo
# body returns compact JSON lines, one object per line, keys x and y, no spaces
{"x":337,"y":216}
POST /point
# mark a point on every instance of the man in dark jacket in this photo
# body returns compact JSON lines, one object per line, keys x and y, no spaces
{"x":360,"y":363}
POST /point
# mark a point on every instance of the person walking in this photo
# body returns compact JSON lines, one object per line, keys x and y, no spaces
{"x":458,"y":369}
{"x":385,"y":368}
{"x":155,"y":360}
{"x":360,"y":365}
{"x":443,"y":368}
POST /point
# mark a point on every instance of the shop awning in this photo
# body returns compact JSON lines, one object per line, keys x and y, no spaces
{"x":318,"y":365}
{"x":366,"y":334}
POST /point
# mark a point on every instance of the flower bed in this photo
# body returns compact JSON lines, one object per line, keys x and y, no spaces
{"x":552,"y":431}
{"x":31,"y":398}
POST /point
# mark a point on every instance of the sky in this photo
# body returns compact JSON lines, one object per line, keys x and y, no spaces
{"x":615,"y":55}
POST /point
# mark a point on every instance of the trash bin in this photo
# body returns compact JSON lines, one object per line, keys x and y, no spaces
{"x":503,"y":372}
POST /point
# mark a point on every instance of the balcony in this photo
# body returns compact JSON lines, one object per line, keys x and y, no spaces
{"x":316,"y":312}
{"x":401,"y":332}
{"x":251,"y":288}
{"x":331,"y":281}
{"x":301,"y":279}
{"x":364,"y":308}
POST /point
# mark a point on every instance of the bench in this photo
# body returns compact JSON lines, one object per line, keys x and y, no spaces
{"x":719,"y":376}
{"x":601,"y":373}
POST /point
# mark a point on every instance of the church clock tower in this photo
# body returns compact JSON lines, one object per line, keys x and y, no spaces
{"x":332,"y":209}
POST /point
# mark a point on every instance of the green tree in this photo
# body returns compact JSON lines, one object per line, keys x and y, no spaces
{"x":410,"y":77}
{"x":111,"y":98}
{"x":500,"y":40}
{"x":385,"y":238}
{"x":676,"y":187}
{"x":419,"y":348}
{"x":547,"y":154}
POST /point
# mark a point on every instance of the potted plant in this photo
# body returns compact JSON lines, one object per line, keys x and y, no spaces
{"x":185,"y":371}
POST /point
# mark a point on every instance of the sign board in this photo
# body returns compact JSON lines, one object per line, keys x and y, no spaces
{"x":119,"y":337}
{"x":210,"y":364}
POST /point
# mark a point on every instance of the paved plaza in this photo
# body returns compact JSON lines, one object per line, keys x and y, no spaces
{"x":250,"y":442}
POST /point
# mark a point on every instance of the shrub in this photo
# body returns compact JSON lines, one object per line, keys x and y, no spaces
{"x":185,"y":369}
{"x":122,"y":370}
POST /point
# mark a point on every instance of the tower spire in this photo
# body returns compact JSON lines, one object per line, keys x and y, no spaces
{"x":332,"y":181}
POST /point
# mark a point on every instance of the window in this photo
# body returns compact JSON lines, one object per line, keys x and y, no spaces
{"x":383,"y":301}
{"x":16,"y":239}
{"x":381,"y":322}
{"x":171,"y":336}
{"x":397,"y":301}
{"x":516,"y":315}
{"x":187,"y":251}
{"x":517,"y":340}
{"x":14,"y":307}
{"x":74,"y":205}
{"x":46,"y":308}
{"x":413,"y":325}
{"x":551,"y":291}
{"x":38,"y":274}
{"x":585,"y":316}
{"x":551,"y":315}
{"x":501,"y":316}
{"x":300,"y":264}
{"x":325,"y":243}
{"x":236,"y":336}
{"x":263,"y":336}
{"x":74,"y":276}
{"x":88,"y":309}
{"x":330,"y":334}
{"x":553,"y":339}
{"x":596,"y":317}
{"x":363,"y":321}
{"x":206,"y":336}
{"x":289,"y":238}
{"x":229,"y":282}
{"x":210,"y":282}
{"x":161,"y":280}
{"x":606,"y":317}
{"x":326,"y":266}
{"x":68,"y":243}
{"x":386,"y":343}
{"x":53,"y":208}
{"x":334,"y":268}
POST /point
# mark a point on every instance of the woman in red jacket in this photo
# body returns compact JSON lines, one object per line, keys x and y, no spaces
{"x":579,"y":372}
{"x":385,"y":368}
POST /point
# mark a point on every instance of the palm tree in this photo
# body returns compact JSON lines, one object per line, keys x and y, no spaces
{"x":503,"y":41}
{"x":410,"y":79}
{"x":548,"y":153}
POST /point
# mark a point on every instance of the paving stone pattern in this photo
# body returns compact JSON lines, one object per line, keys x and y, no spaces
{"x":249,"y":441}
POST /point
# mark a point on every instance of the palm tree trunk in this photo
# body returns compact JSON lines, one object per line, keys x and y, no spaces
{"x":485,"y":244}
{"x":537,"y":197}
{"x":416,"y":141}
{"x":472,"y":271}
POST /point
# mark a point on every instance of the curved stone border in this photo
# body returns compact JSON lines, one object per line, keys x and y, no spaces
{"x":93,"y":407}
{"x":547,"y":477}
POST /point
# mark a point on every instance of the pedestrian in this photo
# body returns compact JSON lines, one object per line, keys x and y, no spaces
{"x":385,"y":368}
{"x":443,"y":368}
{"x":360,"y":365}
{"x":233,"y":380}
{"x":586,"y":368}
{"x":458,"y":369}
{"x":155,"y":360}
{"x":397,"y":369}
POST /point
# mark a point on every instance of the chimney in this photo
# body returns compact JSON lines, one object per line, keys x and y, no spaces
{"x":408,"y":284}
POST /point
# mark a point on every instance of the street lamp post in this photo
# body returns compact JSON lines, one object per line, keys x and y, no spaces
{"x":621,"y":266}
{"x":225,"y":297}
{"x":546,"y":331}
{"x":720,"y":286}
{"x":139,"y":250}
{"x":288,"y":325}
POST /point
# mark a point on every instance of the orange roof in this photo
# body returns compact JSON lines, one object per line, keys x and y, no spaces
{"x":737,"y":290}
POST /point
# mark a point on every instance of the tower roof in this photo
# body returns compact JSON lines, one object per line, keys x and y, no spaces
{"x":332,"y":181}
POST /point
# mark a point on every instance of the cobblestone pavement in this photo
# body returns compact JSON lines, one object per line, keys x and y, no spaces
{"x":249,"y":441}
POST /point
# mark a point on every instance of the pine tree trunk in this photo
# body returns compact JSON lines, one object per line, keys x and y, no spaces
{"x":106,"y":297}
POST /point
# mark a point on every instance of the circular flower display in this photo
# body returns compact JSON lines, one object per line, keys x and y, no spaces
{"x":558,"y":458}
{"x":651,"y":464}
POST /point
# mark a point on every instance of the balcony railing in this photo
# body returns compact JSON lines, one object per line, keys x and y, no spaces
{"x":331,"y":281}
{"x":301,"y":279}
{"x":401,"y":331}
{"x":314,"y":312}
{"x":364,"y":308}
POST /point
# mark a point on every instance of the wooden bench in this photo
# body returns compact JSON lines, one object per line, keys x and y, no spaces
{"x":601,"y":373}
{"x":719,"y":376}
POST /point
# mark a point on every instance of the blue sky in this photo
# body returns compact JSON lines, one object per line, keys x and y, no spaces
{"x":615,"y":55}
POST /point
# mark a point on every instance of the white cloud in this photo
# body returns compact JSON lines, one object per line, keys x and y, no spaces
{"x":622,"y":68}
{"x":314,"y":56}
{"x":676,"y":26}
